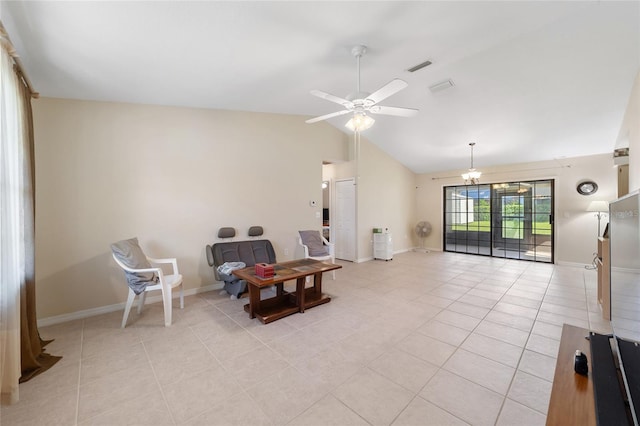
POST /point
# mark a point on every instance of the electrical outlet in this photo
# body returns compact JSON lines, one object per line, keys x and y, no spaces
{"x":286,"y":252}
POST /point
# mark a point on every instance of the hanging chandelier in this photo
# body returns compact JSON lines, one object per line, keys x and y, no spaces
{"x":472,"y":177}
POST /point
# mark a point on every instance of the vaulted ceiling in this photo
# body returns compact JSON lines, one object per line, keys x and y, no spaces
{"x":532,"y":80}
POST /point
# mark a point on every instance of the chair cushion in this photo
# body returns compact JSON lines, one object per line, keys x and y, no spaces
{"x":130,"y":254}
{"x":314,"y":243}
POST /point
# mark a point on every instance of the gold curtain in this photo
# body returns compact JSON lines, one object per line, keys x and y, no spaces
{"x":34,"y":360}
{"x":22,"y":354}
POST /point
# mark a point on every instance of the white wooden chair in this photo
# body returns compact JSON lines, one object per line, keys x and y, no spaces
{"x":166,"y":283}
{"x":311,"y":243}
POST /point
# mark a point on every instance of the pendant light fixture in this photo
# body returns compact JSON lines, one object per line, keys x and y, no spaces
{"x":472,"y":177}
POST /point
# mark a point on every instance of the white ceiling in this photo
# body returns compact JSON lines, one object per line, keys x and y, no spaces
{"x":533,"y":80}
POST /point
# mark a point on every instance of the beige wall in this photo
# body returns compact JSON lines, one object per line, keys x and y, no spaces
{"x":386,"y":196}
{"x":171,"y":177}
{"x":386,"y":199}
{"x":575,"y":229}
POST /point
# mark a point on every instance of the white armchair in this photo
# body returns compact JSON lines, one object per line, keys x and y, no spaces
{"x":317,"y":247}
{"x":160,"y":281}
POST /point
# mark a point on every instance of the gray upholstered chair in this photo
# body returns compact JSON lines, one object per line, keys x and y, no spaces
{"x":317,"y":247}
{"x":142,"y":277}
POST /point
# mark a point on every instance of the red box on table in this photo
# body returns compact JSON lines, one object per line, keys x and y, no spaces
{"x":264,"y":270}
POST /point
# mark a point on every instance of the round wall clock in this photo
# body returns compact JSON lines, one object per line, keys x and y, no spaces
{"x":587,"y":187}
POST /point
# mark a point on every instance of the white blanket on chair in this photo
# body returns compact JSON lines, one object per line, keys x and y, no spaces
{"x":228,"y":267}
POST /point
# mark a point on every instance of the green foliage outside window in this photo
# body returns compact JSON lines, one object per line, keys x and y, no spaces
{"x":513,"y":210}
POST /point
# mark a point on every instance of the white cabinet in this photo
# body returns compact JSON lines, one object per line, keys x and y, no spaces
{"x":382,"y":246}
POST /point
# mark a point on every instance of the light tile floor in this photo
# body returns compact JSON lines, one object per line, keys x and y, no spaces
{"x":437,"y":338}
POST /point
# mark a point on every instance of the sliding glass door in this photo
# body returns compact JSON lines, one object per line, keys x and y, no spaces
{"x":511,"y":219}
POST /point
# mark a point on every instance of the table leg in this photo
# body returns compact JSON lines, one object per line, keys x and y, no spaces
{"x":300,"y":293}
{"x":317,"y":283}
{"x":279,"y":289}
{"x":254,"y":300}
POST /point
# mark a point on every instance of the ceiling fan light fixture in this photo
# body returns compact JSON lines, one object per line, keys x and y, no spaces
{"x":359,"y":122}
{"x":472,"y":177}
{"x":359,"y":103}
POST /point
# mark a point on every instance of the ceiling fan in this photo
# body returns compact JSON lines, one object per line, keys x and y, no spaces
{"x":360,"y":103}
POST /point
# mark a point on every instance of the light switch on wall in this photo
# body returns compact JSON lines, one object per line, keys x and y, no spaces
{"x":317,"y":215}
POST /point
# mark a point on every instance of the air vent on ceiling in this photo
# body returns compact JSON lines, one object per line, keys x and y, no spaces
{"x":419,"y":66}
{"x":441,"y":86}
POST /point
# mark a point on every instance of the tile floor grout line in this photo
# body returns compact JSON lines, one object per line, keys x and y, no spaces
{"x":79,"y":373}
{"x":155,"y":376}
{"x":345,"y":405}
{"x":417,"y":318}
{"x":441,"y":368}
{"x":226,"y":370}
{"x":524,"y":348}
{"x":267,"y":345}
{"x":504,"y":397}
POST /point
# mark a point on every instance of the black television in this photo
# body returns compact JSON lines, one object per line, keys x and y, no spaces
{"x":624,"y":240}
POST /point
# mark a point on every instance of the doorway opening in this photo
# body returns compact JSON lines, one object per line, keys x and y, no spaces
{"x":326,"y":208}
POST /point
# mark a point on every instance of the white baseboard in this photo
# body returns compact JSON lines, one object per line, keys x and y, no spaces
{"x":367,"y":259}
{"x":576,"y":264}
{"x":427,"y":249}
{"x":57,"y":319}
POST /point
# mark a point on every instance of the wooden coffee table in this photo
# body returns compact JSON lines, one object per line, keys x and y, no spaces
{"x":285,"y":303}
{"x":571,"y":401}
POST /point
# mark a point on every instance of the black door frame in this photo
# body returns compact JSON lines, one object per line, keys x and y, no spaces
{"x":529,"y":216}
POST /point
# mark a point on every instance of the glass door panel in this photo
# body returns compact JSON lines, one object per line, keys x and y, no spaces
{"x":467,"y":219}
{"x":542,"y":216}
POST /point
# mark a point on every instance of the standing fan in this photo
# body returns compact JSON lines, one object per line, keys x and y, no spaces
{"x":422,"y":230}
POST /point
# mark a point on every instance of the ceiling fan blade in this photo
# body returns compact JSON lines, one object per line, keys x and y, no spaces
{"x":391,"y":88}
{"x":326,"y":116}
{"x":331,"y":98}
{"x":397,"y":111}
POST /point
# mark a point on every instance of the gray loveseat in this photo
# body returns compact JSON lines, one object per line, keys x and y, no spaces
{"x":249,"y":252}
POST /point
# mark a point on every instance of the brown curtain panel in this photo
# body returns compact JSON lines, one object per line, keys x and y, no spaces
{"x":34,"y":359}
